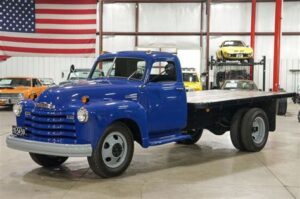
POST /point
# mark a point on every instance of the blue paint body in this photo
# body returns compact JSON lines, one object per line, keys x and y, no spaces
{"x":159,"y":109}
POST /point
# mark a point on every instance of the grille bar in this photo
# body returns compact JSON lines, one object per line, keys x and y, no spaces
{"x":50,"y":123}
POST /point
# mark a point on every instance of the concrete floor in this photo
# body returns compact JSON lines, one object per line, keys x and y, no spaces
{"x":210,"y":169}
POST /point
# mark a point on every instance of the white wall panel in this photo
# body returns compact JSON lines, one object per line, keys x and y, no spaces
{"x":119,"y":17}
{"x":118,"y":43}
{"x":170,"y":17}
{"x":183,"y":42}
{"x":291,"y":16}
{"x":265,"y":17}
{"x":42,"y":66}
{"x":230,"y":17}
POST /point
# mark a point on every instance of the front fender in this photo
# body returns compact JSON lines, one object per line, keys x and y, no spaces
{"x":102,"y":114}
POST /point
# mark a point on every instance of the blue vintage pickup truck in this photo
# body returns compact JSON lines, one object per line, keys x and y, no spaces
{"x":141,"y":99}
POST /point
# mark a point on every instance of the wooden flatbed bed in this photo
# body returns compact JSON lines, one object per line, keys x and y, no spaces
{"x":214,"y":98}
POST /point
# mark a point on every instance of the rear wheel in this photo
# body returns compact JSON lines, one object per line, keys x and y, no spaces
{"x":47,"y":161}
{"x":235,"y":129}
{"x":255,"y":130}
{"x":114,"y":151}
{"x":195,"y":137}
{"x":282,"y":106}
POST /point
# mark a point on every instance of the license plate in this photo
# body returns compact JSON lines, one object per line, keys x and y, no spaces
{"x":18,"y":131}
{"x":239,"y":55}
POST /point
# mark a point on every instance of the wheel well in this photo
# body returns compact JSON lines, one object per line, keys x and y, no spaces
{"x":133,"y":126}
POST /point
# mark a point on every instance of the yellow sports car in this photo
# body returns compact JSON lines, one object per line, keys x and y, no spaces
{"x":191,"y":81}
{"x":234,"y":50}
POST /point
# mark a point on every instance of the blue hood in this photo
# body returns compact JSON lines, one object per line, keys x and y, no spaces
{"x":104,"y":89}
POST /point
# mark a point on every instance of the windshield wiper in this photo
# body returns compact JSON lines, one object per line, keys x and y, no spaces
{"x":130,"y":76}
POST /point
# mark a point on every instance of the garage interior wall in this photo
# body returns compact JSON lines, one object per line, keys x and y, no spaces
{"x":182,"y":17}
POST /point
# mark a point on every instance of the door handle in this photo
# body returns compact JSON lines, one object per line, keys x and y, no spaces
{"x":180,"y":88}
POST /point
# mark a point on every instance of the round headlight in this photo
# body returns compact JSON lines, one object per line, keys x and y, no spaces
{"x":17,"y":109}
{"x":82,"y":115}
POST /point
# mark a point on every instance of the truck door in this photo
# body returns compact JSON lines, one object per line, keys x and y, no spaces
{"x":166,"y":99}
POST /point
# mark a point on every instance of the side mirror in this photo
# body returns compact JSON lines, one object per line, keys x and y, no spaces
{"x":72,"y":68}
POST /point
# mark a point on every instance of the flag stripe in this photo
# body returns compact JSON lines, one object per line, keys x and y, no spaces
{"x":60,"y":31}
{"x":46,"y":50}
{"x":66,"y":27}
{"x":46,"y":36}
{"x":52,"y":41}
{"x":48,"y":45}
{"x":24,"y":54}
{"x":65,"y":6}
{"x":66,"y":1}
{"x":66,"y":12}
{"x":3,"y":57}
{"x":71,"y":17}
{"x":63,"y":21}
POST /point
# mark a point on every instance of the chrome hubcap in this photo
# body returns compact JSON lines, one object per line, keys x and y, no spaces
{"x":114,"y":150}
{"x":258,"y":130}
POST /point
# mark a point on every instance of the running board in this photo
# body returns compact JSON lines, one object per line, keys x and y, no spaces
{"x":168,"y":139}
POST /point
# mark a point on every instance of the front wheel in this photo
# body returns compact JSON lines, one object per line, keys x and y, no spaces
{"x":255,"y":130}
{"x":114,"y":151}
{"x":195,"y":137}
{"x":47,"y":161}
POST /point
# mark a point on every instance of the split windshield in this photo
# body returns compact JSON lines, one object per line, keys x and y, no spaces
{"x":233,"y":43}
{"x":15,"y":82}
{"x":129,"y":68}
{"x":239,"y":85}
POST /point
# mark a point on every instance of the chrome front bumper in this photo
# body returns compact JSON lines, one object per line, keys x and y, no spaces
{"x":45,"y":148}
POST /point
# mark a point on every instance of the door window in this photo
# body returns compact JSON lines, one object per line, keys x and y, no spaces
{"x":36,"y":83}
{"x":163,"y":72}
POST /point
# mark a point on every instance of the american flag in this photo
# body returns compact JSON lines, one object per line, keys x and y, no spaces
{"x":48,"y":28}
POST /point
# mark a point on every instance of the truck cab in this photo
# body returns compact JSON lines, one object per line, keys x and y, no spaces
{"x":143,"y":91}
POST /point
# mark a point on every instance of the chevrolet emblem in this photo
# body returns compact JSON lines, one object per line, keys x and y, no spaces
{"x":45,"y":105}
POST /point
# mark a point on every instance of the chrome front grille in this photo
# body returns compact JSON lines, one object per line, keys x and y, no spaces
{"x":9,"y":95}
{"x":50,"y":124}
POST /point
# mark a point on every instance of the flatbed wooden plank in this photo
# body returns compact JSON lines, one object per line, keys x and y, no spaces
{"x":220,"y":96}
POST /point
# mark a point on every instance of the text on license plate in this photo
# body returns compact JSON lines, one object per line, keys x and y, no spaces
{"x":18,"y":131}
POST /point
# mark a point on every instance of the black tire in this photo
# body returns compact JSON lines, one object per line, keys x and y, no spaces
{"x":235,"y":129}
{"x":97,"y":162}
{"x":47,"y":161}
{"x":282,"y":106}
{"x":195,"y":134}
{"x":248,"y":140}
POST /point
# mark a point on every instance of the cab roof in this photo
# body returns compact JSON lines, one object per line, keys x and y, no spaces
{"x":155,"y":55}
